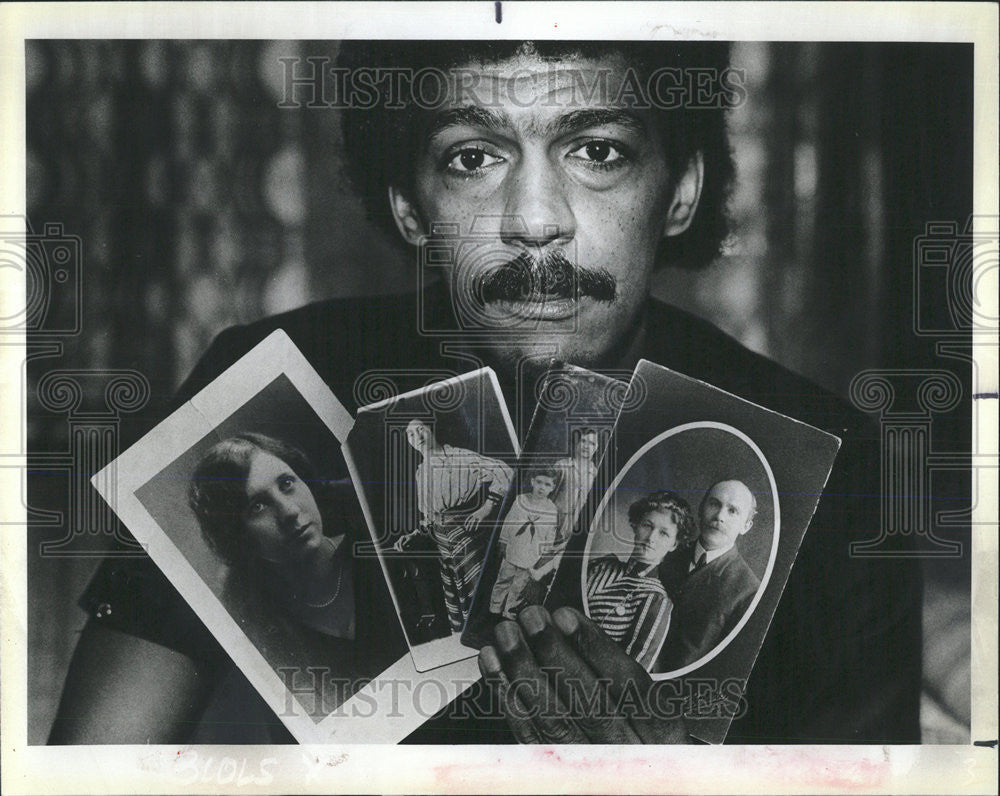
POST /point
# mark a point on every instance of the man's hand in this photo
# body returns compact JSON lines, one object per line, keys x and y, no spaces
{"x":561,"y":679}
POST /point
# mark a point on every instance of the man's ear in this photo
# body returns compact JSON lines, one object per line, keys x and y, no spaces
{"x":406,"y":216}
{"x":687,"y":193}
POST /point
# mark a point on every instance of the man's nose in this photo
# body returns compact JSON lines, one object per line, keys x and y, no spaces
{"x":536,"y":210}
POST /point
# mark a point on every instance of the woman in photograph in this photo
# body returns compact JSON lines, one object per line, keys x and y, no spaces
{"x":262,"y":510}
{"x":626,"y":598}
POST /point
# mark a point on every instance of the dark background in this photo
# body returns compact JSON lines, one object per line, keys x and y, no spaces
{"x":199,"y":203}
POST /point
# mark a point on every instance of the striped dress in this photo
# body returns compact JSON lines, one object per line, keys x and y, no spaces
{"x":452,"y":483}
{"x":630,"y":605}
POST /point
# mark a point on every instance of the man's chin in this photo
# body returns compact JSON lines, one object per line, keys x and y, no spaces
{"x":518,"y":348}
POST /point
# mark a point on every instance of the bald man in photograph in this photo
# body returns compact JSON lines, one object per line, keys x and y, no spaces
{"x":711,"y":584}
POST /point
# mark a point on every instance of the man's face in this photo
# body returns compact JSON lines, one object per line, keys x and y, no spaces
{"x":542,"y":486}
{"x":543,"y":172}
{"x":586,"y":446}
{"x":726,"y":513}
{"x":655,"y":536}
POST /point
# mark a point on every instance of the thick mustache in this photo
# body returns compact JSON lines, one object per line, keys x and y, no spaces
{"x":551,"y":275}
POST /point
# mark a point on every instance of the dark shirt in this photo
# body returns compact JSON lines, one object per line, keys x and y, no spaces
{"x":709,"y":601}
{"x":841,"y":662}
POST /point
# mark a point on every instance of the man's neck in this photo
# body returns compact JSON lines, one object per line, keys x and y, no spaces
{"x":519,"y":375}
{"x":711,"y":555}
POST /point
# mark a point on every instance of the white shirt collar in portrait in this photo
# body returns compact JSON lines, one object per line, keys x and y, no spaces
{"x":710,"y":555}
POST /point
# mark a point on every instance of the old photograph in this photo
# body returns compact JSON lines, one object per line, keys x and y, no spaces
{"x":432,"y":468}
{"x":769,"y":232}
{"x":559,"y":466}
{"x":681,"y":546}
{"x":694,"y":540}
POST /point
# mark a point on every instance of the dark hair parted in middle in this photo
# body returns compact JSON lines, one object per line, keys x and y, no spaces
{"x":382,"y":138}
{"x":217,"y":491}
{"x":673,"y":504}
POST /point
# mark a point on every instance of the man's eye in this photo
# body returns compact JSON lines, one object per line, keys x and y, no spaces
{"x":256,"y":507}
{"x":599,"y":153}
{"x":285,"y":483}
{"x":470,"y":160}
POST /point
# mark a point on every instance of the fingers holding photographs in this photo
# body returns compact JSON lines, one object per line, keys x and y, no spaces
{"x":630,"y":686}
{"x":530,"y":685}
{"x":517,"y":715}
{"x":587,"y":698}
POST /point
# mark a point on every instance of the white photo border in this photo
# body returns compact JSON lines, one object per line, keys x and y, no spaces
{"x":785,"y":769}
{"x":368,"y":716}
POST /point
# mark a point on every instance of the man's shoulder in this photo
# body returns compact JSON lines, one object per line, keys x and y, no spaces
{"x":733,"y":568}
{"x":674,"y":568}
{"x":695,"y":347}
{"x":332,"y":314}
{"x":341,"y":338}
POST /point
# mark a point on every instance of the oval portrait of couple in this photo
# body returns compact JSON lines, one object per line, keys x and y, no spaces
{"x":682,"y":546}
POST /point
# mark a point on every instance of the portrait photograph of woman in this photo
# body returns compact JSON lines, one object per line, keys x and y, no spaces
{"x":263,"y":511}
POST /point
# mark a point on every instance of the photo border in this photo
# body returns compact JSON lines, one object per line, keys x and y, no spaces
{"x":786,"y":769}
{"x":120,"y":480}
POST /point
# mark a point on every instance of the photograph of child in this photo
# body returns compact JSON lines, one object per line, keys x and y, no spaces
{"x":528,"y":534}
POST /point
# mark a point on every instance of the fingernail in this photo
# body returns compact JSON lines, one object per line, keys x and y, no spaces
{"x":532,"y":620}
{"x":566,"y":621}
{"x":489,"y":663}
{"x":507,"y":636}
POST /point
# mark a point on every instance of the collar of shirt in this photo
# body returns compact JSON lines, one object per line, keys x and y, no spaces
{"x":710,"y":555}
{"x":637,"y":568}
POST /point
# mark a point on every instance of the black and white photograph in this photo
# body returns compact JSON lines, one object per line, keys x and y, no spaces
{"x":561,"y":461}
{"x":432,"y":468}
{"x":694,"y":539}
{"x":240,"y":498}
{"x":682,"y":545}
{"x":768,"y":230}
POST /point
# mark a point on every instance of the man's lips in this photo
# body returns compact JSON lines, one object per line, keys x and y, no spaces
{"x":539,"y":306}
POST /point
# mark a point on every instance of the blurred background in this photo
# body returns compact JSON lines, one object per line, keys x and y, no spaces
{"x":200,"y":203}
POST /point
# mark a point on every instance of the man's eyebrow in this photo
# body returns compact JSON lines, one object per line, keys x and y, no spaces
{"x":500,"y":122}
{"x":470,"y":116}
{"x":595,"y":117}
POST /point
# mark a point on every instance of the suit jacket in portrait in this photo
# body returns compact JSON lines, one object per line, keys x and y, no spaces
{"x":708,"y":603}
